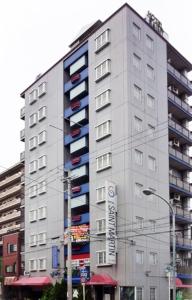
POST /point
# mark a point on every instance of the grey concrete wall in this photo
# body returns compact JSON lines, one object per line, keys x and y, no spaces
{"x":53,"y":148}
{"x":122,"y":143}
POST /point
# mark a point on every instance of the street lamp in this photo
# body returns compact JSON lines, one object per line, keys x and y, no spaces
{"x":149,"y":192}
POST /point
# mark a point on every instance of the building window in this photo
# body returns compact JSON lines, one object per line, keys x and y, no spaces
{"x":150,"y":72}
{"x":42,"y":187}
{"x":137,"y":93}
{"x":140,"y":223}
{"x":138,"y":157}
{"x":138,"y":124}
{"x":101,"y":257}
{"x":103,"y":130}
{"x":103,"y":99}
{"x":79,"y":90}
{"x":138,"y":190}
{"x":78,"y":65}
{"x":33,"y":240}
{"x":42,"y":113}
{"x":33,"y":97}
{"x":78,"y":145}
{"x":32,"y":191}
{"x":32,"y":143}
{"x":139,"y":293}
{"x":151,"y":163}
{"x":102,"y":70}
{"x":42,"y":264}
{"x":136,"y":31}
{"x":102,"y":40}
{"x":9,"y":269}
{"x":42,"y":88}
{"x":151,"y":130}
{"x":33,"y":120}
{"x":127,"y":293}
{"x":33,"y":166}
{"x":101,"y":194}
{"x":11,"y":248}
{"x":101,"y":226}
{"x":42,"y":162}
{"x":149,"y":42}
{"x":33,"y":215}
{"x":42,"y":213}
{"x":139,"y":257}
{"x":103,"y":161}
{"x":152,"y":224}
{"x":42,"y":137}
{"x":152,"y":293}
{"x":32,"y":265}
{"x":42,"y":238}
{"x":150,"y":101}
{"x":136,"y":61}
{"x":153,"y":258}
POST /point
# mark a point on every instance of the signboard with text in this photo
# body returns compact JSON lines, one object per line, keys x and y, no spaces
{"x":79,"y":233}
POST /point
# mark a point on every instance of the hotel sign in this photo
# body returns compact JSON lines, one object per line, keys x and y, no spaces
{"x":111,"y":222}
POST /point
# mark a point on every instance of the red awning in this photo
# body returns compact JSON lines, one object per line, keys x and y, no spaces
{"x":102,"y":279}
{"x":33,"y":281}
{"x":9,"y":280}
{"x":179,"y":284}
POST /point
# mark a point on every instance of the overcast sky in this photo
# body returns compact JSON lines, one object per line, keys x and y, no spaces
{"x":36,"y":33}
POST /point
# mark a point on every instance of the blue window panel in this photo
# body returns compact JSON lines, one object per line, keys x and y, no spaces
{"x":84,"y":160}
{"x":69,"y":85}
{"x":83,"y":220}
{"x":84,"y":190}
{"x":73,"y":57}
{"x":69,"y":139}
{"x":55,"y":257}
{"x":69,"y":112}
{"x":84,"y":248}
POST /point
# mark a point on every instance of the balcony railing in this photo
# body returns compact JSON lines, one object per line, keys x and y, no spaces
{"x":9,"y":179}
{"x":179,"y":76}
{"x":185,"y":158}
{"x":180,"y":129}
{"x":22,"y":156}
{"x":10,"y":191}
{"x":10,"y":216}
{"x":9,"y":229}
{"x":22,"y":113}
{"x":183,"y":243}
{"x":180,"y":183}
{"x":10,"y":203}
{"x":183,"y":213}
{"x":180,"y":102}
{"x":184,"y":270}
{"x":22,"y":135}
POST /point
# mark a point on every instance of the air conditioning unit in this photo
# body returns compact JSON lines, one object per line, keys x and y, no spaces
{"x":176,"y":143}
{"x":175,"y":90}
{"x":176,"y":197}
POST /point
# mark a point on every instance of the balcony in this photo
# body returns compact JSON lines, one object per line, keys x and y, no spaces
{"x":183,"y":216}
{"x":180,"y":108}
{"x":10,"y":216}
{"x":10,"y":204}
{"x":9,"y":229}
{"x":22,"y":135}
{"x":9,"y":179}
{"x":73,"y":109}
{"x":69,"y":139}
{"x":176,"y":130}
{"x":22,"y":156}
{"x":22,"y":113}
{"x":183,"y":244}
{"x":11,"y":191}
{"x":176,"y":78}
{"x":179,"y":186}
{"x":179,"y":160}
{"x":184,"y":272}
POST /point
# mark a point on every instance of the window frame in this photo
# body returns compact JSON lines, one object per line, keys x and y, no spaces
{"x":109,"y":161}
{"x":42,"y":86}
{"x":103,"y":188}
{"x":103,"y":258}
{"x":44,"y":113}
{"x":32,"y":120}
{"x":101,"y":65}
{"x":104,"y":43}
{"x":100,"y":126}
{"x":102,"y":222}
{"x":137,"y":36}
{"x":99,"y":98}
{"x":139,"y":260}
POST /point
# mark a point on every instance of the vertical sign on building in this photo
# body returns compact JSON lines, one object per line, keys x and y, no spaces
{"x":111,"y":222}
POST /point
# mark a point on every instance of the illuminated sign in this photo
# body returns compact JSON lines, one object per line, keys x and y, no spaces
{"x":111,"y":223}
{"x":79,"y":233}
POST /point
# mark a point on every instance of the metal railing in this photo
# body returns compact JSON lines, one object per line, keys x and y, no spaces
{"x":10,"y":203}
{"x":180,"y":102}
{"x":178,"y":154}
{"x":180,"y":183}
{"x":22,"y":112}
{"x":183,"y":213}
{"x":9,"y":229}
{"x":180,"y":128}
{"x":10,"y":191}
{"x":184,"y":270}
{"x":179,"y":76}
{"x":10,"y":216}
{"x":183,"y":242}
{"x":10,"y":178}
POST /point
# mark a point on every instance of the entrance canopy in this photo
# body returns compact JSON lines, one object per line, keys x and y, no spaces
{"x":102,"y":279}
{"x":179,"y":284}
{"x":32,"y":281}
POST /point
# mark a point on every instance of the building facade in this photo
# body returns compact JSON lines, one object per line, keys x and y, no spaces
{"x":113,"y":113}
